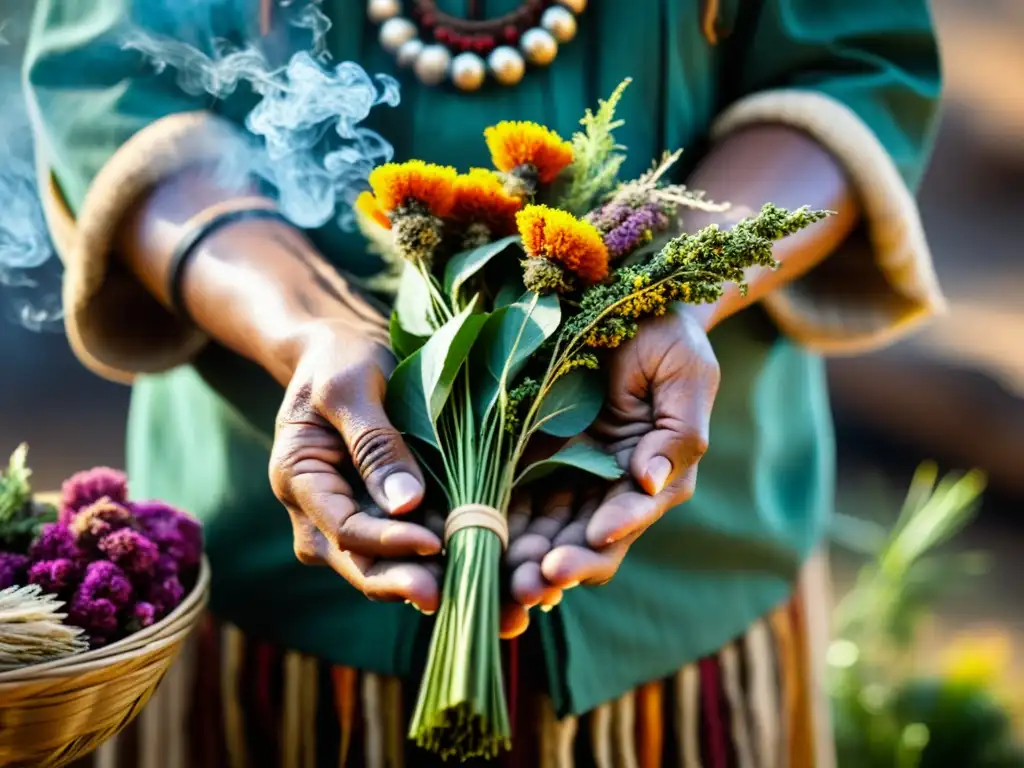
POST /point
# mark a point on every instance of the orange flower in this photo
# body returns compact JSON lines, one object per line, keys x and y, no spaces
{"x":514,"y":144}
{"x":367,"y":207}
{"x":395,"y":184}
{"x":480,"y":196}
{"x":561,"y":237}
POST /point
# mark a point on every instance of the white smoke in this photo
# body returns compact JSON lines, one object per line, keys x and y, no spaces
{"x":29,"y":275}
{"x":308,"y":143}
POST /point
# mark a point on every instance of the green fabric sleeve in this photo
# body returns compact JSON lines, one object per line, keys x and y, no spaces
{"x":878,"y":57}
{"x":88,"y":93}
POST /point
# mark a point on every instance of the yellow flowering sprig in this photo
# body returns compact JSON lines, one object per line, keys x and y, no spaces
{"x":692,"y":268}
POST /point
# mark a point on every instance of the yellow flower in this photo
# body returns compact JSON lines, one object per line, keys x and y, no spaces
{"x":514,"y":144}
{"x":396,"y":184}
{"x":979,"y":660}
{"x":480,"y":197}
{"x":559,"y":236}
{"x":367,"y":207}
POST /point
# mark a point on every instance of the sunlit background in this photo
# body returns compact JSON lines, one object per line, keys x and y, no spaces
{"x":955,"y":393}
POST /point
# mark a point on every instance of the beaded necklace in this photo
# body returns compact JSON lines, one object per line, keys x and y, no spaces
{"x":440,"y":47}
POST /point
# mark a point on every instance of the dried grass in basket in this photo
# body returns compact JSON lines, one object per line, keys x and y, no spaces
{"x":54,"y":713}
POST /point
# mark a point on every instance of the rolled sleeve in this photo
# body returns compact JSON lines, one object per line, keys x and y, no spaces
{"x":863,"y":79}
{"x":108,"y":127}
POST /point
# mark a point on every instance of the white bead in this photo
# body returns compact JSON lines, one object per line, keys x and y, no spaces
{"x":560,"y":22}
{"x":396,"y":31}
{"x":506,"y":64}
{"x":432,"y":64}
{"x":409,"y":52}
{"x":576,"y":6}
{"x":468,"y":71}
{"x":538,"y":46}
{"x":382,"y":10}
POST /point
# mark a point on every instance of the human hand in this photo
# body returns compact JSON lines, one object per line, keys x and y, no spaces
{"x":332,"y":417}
{"x":662,"y":385}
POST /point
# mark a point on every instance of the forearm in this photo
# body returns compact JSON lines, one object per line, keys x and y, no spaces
{"x":255,"y":286}
{"x":789,"y":168}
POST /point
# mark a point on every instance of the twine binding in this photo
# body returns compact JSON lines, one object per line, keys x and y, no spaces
{"x":476,"y":516}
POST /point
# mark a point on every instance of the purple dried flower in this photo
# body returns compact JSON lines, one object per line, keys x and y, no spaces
{"x":105,"y":581}
{"x":55,"y":542}
{"x":98,"y":520}
{"x":636,"y":230}
{"x":130,"y":550}
{"x":13,"y":568}
{"x":143,"y":615}
{"x":165,"y":594}
{"x":174,"y":532}
{"x":609,"y":216}
{"x":98,"y":617}
{"x":56,"y":576}
{"x":85,"y":488}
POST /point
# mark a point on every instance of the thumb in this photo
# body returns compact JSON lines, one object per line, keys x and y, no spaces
{"x":682,"y":416}
{"x":379,"y":453}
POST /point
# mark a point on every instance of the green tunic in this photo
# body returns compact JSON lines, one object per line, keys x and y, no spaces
{"x":199,"y":436}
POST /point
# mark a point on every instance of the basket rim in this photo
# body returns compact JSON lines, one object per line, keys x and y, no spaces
{"x":139,"y":641}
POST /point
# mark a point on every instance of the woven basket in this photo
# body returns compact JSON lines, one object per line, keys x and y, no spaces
{"x":57,"y":712}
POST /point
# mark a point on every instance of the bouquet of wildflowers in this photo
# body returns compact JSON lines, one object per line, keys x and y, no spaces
{"x":113,"y":566}
{"x":514,"y":284}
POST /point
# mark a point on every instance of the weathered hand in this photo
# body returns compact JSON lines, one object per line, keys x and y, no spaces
{"x":662,"y":385}
{"x":332,"y":417}
{"x":540,"y":520}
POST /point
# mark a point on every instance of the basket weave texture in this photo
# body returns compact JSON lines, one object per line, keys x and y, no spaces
{"x":54,"y":713}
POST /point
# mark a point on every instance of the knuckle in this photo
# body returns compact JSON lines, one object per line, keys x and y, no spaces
{"x":305,"y":555}
{"x":696,"y":444}
{"x":330,"y":392}
{"x":376,"y":447}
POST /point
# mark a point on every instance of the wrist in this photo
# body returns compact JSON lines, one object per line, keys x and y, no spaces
{"x":263,"y":291}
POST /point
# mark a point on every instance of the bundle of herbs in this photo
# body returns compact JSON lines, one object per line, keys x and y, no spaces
{"x":515,"y":284}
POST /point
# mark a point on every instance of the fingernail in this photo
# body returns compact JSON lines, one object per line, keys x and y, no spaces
{"x":571,"y":584}
{"x":400,"y":489}
{"x":657,"y":473}
{"x":427,"y":613}
{"x":547,"y":608}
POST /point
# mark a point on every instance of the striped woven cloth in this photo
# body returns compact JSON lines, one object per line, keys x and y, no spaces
{"x":236,"y":702}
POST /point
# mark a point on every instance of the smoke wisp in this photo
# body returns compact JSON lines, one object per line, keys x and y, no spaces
{"x":29,"y":275}
{"x":309,"y":143}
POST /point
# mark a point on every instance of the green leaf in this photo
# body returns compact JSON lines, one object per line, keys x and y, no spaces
{"x":403,"y":343}
{"x":510,"y":335}
{"x":413,"y":303}
{"x":580,"y":456}
{"x":510,"y":291}
{"x":463,"y":266}
{"x":15,"y":491}
{"x":422,"y":383}
{"x":572,"y":403}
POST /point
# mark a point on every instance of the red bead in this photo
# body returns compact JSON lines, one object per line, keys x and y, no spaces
{"x":484,"y":44}
{"x":510,"y":34}
{"x":463,"y":43}
{"x":429,"y":21}
{"x":444,"y":35}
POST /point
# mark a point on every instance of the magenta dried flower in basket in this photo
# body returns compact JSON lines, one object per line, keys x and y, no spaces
{"x":85,"y":488}
{"x":12,"y":569}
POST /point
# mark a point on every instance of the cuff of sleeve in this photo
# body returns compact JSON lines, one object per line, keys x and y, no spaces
{"x":114,"y":326}
{"x":881,"y":283}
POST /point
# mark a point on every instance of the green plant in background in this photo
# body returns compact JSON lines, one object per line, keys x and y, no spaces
{"x":20,"y":518}
{"x":887,"y":715}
